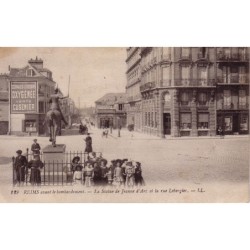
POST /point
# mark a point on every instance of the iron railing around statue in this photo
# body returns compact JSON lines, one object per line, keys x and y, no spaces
{"x":53,"y":172}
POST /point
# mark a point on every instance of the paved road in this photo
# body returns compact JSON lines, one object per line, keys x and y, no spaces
{"x":201,"y":162}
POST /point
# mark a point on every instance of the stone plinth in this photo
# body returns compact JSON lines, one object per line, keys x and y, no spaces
{"x":56,"y":154}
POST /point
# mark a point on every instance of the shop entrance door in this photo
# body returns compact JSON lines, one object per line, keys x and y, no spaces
{"x":167,"y":123}
{"x":236,"y":123}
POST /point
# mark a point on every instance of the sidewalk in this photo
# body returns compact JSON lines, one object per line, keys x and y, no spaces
{"x":124,"y":133}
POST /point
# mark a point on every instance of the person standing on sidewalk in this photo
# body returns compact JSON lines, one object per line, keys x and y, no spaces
{"x":35,"y":148}
{"x":88,"y":141}
{"x":20,"y":165}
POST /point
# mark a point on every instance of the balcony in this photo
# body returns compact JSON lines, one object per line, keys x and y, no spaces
{"x":195,"y":82}
{"x":231,"y":57}
{"x":147,"y":86}
{"x":234,"y":106}
{"x":233,"y":79}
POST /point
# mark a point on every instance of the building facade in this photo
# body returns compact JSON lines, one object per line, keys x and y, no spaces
{"x":31,"y":122}
{"x":4,"y":104}
{"x":110,"y":111}
{"x":190,"y":91}
{"x":133,"y":94}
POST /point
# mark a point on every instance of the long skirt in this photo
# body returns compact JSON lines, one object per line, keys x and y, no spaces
{"x":35,"y":176}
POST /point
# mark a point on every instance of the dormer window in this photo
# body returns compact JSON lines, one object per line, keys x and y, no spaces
{"x":30,"y":72}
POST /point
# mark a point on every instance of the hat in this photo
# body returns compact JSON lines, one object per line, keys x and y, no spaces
{"x":104,"y":160}
{"x":119,"y":160}
{"x":76,"y":158}
{"x":129,"y":163}
{"x":35,"y":140}
{"x":19,"y":151}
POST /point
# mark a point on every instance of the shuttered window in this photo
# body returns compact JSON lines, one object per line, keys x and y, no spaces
{"x":203,"y":121}
{"x":185,"y":120}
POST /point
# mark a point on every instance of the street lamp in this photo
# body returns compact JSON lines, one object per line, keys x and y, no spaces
{"x":119,"y":126}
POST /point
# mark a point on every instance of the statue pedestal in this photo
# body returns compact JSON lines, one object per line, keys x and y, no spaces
{"x":56,"y":154}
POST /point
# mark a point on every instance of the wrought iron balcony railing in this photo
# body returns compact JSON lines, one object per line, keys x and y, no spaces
{"x":195,"y":82}
{"x":230,"y":79}
{"x":147,"y":86}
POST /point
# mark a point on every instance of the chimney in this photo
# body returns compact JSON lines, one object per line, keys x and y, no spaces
{"x":37,"y":63}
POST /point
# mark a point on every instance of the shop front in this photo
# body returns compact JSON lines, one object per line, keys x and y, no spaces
{"x":233,"y":122}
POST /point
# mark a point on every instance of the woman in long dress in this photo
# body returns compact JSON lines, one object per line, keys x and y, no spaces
{"x":118,"y":174}
{"x":88,"y":174}
{"x":35,"y":165}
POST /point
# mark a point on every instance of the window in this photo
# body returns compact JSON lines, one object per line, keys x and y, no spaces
{"x":227,"y":98}
{"x":242,"y":74}
{"x":41,"y":107}
{"x":166,"y":76}
{"x":30,"y":126}
{"x":184,"y":98}
{"x":30,"y":72}
{"x":242,"y":98}
{"x":185,"y":121}
{"x":156,"y":119}
{"x":152,"y":119}
{"x":149,"y":119}
{"x":185,"y":74}
{"x":202,"y":75}
{"x":146,"y":118}
{"x":202,"y":98}
{"x":228,"y":123}
{"x":244,"y":122}
{"x":185,"y":52}
{"x":120,"y":106}
{"x":166,"y":52}
{"x":202,"y":52}
{"x":203,"y":119}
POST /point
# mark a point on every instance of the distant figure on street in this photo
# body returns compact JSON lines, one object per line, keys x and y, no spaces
{"x":35,"y":148}
{"x":35,"y":165}
{"x":221,"y":132}
{"x":88,"y":140}
{"x":20,"y":165}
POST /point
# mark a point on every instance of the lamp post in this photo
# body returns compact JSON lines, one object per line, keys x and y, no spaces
{"x":119,"y":126}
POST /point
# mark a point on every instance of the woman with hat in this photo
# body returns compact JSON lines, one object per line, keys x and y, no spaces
{"x":97,"y":178}
{"x":35,"y":165}
{"x":70,"y":170}
{"x":104,"y":171}
{"x":118,"y":176}
{"x":88,"y":174}
{"x":139,"y":181}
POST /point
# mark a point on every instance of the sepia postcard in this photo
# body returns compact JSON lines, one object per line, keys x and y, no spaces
{"x":127,"y":125}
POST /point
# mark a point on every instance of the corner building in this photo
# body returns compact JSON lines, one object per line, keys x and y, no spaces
{"x":191,"y":91}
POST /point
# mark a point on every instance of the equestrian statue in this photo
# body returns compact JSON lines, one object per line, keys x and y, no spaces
{"x":54,"y":116}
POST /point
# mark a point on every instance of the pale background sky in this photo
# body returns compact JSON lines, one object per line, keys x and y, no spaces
{"x":93,"y":71}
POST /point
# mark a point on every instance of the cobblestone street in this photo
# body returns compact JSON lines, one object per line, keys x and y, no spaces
{"x":212,"y":163}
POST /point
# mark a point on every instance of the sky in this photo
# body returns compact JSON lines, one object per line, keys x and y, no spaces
{"x":93,"y":71}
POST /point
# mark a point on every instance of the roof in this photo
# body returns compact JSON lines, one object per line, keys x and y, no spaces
{"x":112,"y":98}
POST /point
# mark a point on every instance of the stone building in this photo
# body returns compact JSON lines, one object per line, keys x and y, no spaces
{"x":133,"y":94}
{"x":4,"y":104}
{"x":191,"y":91}
{"x":110,"y":111}
{"x":23,"y":121}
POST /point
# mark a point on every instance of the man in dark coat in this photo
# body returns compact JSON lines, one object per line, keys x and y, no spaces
{"x":88,"y":140}
{"x":35,"y":148}
{"x":20,"y":165}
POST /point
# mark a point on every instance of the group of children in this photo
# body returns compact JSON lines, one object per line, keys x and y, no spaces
{"x":97,"y":172}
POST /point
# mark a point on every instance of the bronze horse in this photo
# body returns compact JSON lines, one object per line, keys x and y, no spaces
{"x":53,"y":120}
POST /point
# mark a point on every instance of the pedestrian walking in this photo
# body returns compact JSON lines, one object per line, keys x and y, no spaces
{"x":88,"y":141}
{"x":20,"y":165}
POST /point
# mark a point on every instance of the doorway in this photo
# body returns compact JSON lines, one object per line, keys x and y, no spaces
{"x":167,"y":123}
{"x":236,"y":123}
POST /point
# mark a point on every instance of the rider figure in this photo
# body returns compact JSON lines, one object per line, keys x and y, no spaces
{"x":54,"y":100}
